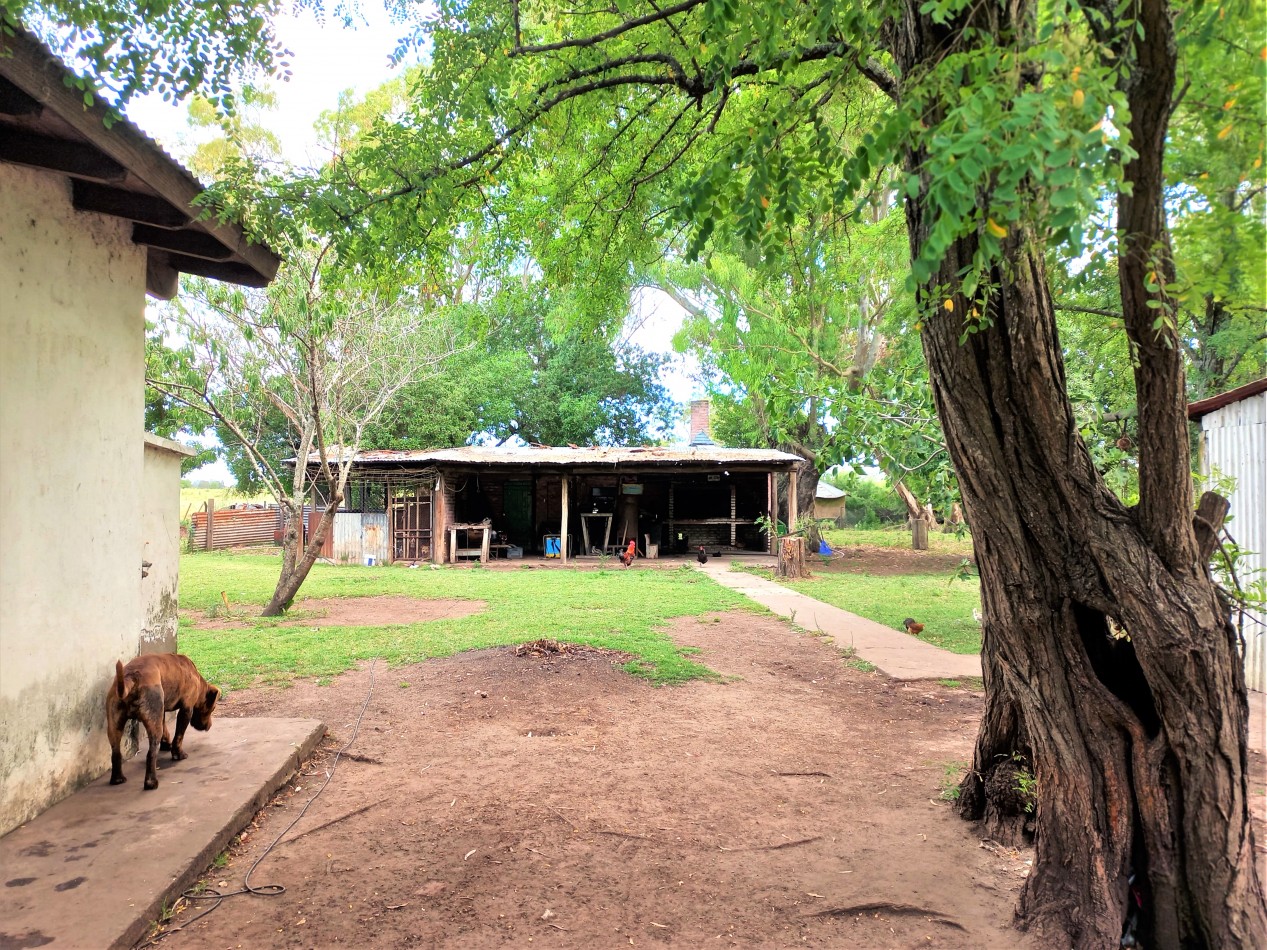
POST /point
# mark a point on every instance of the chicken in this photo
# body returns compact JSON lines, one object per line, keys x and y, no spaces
{"x":913,"y":628}
{"x":702,"y":556}
{"x":627,"y":557}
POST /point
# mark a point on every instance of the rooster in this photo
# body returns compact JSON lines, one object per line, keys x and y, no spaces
{"x":913,"y":628}
{"x":629,"y":554}
{"x":702,"y":556}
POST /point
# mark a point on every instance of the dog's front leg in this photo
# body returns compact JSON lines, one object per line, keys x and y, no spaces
{"x":178,"y":738}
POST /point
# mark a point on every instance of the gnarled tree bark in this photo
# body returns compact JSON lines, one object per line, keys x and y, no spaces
{"x":1111,"y":670}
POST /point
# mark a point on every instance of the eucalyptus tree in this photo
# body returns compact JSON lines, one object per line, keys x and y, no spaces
{"x":812,"y":351}
{"x":527,"y":373}
{"x":321,"y":349}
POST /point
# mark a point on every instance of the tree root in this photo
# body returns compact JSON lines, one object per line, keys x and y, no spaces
{"x":896,"y":910}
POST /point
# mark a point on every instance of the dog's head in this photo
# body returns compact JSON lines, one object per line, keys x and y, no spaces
{"x":200,"y":719}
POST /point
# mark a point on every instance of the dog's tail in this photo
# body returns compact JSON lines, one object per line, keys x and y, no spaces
{"x":118,"y":680}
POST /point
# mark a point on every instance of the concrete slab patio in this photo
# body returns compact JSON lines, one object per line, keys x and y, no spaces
{"x":95,"y":869}
{"x":896,"y":654}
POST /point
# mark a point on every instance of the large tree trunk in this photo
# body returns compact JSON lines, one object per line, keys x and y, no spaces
{"x":1111,"y":670}
{"x":806,"y":488}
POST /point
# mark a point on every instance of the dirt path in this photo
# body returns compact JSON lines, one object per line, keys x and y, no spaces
{"x":499,"y":800}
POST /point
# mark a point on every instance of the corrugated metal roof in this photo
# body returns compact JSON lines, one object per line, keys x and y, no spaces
{"x":588,"y":455}
{"x":1203,"y":407}
{"x":828,"y":492}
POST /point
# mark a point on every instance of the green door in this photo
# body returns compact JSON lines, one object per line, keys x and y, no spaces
{"x":518,"y":504}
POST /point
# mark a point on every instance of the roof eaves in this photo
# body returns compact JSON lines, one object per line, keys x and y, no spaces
{"x":34,"y":71}
{"x":1203,"y":407}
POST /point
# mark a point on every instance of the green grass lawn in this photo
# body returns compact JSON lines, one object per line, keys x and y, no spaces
{"x":943,"y":604}
{"x":612,"y":609}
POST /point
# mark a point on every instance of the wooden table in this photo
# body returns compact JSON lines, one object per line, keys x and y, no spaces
{"x":585,"y":530}
{"x":482,"y":550}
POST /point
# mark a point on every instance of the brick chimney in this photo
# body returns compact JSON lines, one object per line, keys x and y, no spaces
{"x":701,"y":432}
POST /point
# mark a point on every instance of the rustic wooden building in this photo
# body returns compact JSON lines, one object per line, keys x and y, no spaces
{"x":434,"y":504}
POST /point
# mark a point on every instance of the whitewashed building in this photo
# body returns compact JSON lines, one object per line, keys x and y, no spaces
{"x":93,"y":215}
{"x":1233,"y":447}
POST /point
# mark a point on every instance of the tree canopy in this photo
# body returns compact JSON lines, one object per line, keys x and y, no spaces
{"x":1111,"y":151}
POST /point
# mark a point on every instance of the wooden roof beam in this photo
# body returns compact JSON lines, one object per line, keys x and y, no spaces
{"x":146,"y":209}
{"x":15,"y":102}
{"x":32,"y":69}
{"x":187,"y":241}
{"x":231,"y":271}
{"x":70,"y":158}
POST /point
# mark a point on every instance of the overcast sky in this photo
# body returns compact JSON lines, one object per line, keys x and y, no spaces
{"x":327,"y":59}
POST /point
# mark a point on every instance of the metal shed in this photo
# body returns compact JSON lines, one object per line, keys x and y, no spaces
{"x":1233,"y":445}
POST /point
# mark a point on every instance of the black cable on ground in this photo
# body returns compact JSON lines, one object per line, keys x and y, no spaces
{"x":265,"y":890}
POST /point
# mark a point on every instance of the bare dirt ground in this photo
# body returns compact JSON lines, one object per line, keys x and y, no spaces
{"x":493,"y":799}
{"x":352,"y":611}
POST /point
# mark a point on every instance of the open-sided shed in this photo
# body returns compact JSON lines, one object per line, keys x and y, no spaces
{"x":432,"y":504}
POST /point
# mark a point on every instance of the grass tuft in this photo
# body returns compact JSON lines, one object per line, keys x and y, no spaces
{"x":952,"y":776}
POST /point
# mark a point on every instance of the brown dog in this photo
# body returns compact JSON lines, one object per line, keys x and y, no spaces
{"x":148,"y":688}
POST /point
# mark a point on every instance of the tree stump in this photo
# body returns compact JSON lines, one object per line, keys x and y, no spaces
{"x":792,"y":558}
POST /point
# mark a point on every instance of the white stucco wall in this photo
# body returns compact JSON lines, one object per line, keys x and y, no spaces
{"x":160,"y":543}
{"x":72,"y":297}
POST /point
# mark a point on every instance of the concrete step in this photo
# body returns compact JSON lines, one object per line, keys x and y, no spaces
{"x":94,"y":870}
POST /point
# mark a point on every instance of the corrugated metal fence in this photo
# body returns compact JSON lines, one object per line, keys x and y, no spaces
{"x":1234,"y":443}
{"x":360,"y":535}
{"x":231,"y":527}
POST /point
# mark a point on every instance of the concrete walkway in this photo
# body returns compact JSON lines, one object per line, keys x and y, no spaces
{"x":96,"y":868}
{"x":899,"y":655}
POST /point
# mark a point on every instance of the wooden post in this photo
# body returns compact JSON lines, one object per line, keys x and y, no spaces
{"x":919,"y":534}
{"x":792,"y":513}
{"x":672,"y":529}
{"x":732,"y":515}
{"x":772,"y":510}
{"x":488,"y":534}
{"x":439,"y":520}
{"x":563,"y":528}
{"x":211,"y":520}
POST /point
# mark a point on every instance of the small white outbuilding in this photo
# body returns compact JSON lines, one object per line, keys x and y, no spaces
{"x":1233,"y":446}
{"x":93,"y":216}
